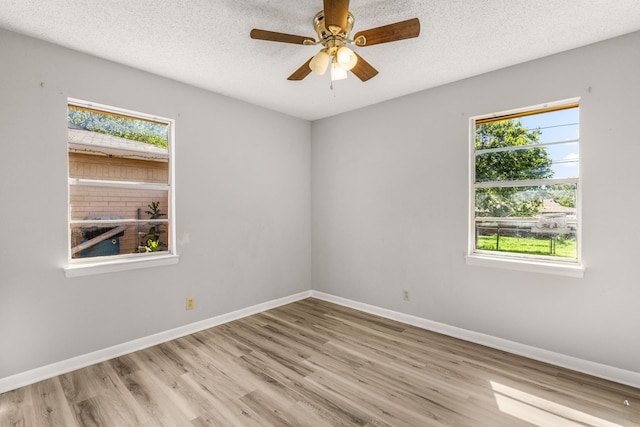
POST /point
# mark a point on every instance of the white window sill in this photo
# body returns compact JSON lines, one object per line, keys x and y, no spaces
{"x":89,"y":269}
{"x":560,"y":269}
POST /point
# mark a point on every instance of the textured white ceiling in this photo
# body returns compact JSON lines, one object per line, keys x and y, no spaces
{"x":206,"y":42}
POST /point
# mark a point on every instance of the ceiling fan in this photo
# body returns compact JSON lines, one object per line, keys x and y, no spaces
{"x":333,"y":25}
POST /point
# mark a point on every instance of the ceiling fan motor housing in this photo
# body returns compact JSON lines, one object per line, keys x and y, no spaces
{"x":334,"y":38}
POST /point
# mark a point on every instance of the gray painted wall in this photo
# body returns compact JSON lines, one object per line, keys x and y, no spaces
{"x":243,"y":208}
{"x":387,"y":208}
{"x":390,"y":195}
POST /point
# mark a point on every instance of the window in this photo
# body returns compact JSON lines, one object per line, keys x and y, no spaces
{"x":525,"y":186}
{"x":120,"y":186}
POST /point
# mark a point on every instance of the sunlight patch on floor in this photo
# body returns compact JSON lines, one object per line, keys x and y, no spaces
{"x":542,"y":412}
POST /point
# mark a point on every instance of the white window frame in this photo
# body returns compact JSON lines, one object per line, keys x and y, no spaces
{"x":514,"y":261}
{"x":99,"y":265}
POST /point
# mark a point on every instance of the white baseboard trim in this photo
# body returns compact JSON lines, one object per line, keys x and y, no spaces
{"x":591,"y":368}
{"x":39,"y":374}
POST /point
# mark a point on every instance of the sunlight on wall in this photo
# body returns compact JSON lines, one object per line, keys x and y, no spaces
{"x":542,"y":412}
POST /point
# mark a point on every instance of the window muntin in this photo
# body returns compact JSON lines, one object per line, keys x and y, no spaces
{"x":525,"y":185}
{"x":120,"y":184}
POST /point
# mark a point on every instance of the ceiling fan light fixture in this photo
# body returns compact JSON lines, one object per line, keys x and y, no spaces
{"x":320,"y":62}
{"x":337,"y":71}
{"x":346,"y":58}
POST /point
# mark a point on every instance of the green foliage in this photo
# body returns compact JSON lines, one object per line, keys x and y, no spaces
{"x":123,"y":127}
{"x":564,"y":194}
{"x":508,"y":201}
{"x":156,"y":230}
{"x":510,"y":165}
{"x":152,"y":246}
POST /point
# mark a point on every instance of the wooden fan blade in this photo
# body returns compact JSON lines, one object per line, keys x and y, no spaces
{"x":335,"y":14}
{"x":363,"y":70}
{"x":301,"y":72}
{"x":390,"y":33}
{"x":273,"y":36}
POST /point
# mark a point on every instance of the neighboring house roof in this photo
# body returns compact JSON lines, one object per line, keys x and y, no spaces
{"x":84,"y":141}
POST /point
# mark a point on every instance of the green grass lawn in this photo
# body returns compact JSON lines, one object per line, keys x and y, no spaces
{"x":565,"y":248}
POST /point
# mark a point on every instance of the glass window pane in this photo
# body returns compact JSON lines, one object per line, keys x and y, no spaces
{"x":542,"y":128}
{"x":89,"y":202}
{"x":553,"y":161}
{"x":565,"y":160}
{"x":101,"y":239}
{"x":559,"y":159}
{"x":514,"y":165}
{"x":105,"y":146}
{"x":102,"y":168}
{"x":537,"y":220}
{"x":119,"y":125}
{"x":502,"y":202}
{"x":561,"y":125}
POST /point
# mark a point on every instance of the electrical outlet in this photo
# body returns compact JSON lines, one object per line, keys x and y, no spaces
{"x":190,"y":303}
{"x":405,"y":295}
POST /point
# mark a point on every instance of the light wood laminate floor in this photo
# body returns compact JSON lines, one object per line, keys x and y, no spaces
{"x":313,"y":363}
